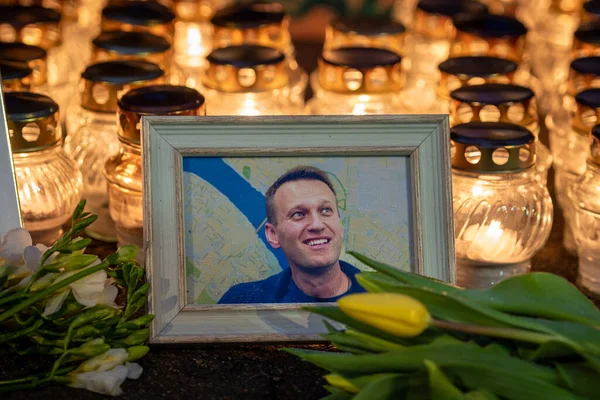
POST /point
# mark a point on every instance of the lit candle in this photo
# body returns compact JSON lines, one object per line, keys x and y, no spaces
{"x":123,"y":171}
{"x":357,"y":80}
{"x":246,"y":80}
{"x":48,"y":180}
{"x":502,"y":213}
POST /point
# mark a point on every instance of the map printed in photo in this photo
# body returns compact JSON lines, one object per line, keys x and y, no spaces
{"x":225,"y":216}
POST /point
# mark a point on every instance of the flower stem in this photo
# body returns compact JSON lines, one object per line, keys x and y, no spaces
{"x":40,"y":295}
{"x":506,"y":333}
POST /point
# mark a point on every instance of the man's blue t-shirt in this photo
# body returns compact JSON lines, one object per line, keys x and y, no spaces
{"x":281,"y":288}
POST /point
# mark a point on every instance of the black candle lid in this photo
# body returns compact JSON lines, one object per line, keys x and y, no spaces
{"x":489,"y":25}
{"x":23,"y":106}
{"x":131,"y":43}
{"x":589,"y":98}
{"x":360,"y":57}
{"x":141,"y":13}
{"x":249,"y":15}
{"x":492,"y":93}
{"x":20,"y":16}
{"x":245,"y":56}
{"x":589,"y":32}
{"x":10,"y":70}
{"x":368,"y":25}
{"x":452,"y":7}
{"x":121,"y":72}
{"x":21,"y":52}
{"x":592,"y":7}
{"x":478,"y":66}
{"x":161,"y":99}
{"x":491,"y":134}
{"x":586,"y":65}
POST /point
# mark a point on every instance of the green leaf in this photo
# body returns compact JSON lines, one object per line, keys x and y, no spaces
{"x":440,"y":387}
{"x":357,"y":344}
{"x":442,"y":352}
{"x":408,"y":278}
{"x":384,"y":388}
{"x":482,"y":394}
{"x":538,"y":294}
{"x":581,"y":379}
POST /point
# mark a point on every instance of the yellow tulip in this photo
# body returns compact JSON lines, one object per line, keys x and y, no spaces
{"x":393,"y":313}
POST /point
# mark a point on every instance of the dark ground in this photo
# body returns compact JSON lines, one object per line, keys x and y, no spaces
{"x":241,"y":371}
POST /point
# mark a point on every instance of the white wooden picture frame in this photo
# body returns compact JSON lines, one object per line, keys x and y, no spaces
{"x":166,"y":141}
{"x":10,"y":217}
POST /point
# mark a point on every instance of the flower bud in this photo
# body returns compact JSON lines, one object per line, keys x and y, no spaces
{"x":136,"y":352}
{"x":393,"y":313}
{"x":126,"y":252}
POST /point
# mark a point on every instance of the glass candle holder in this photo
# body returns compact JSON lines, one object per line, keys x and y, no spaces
{"x":123,"y":171}
{"x":433,"y":31}
{"x":92,"y":125}
{"x":457,"y":72}
{"x":586,"y":203}
{"x":570,"y":149}
{"x":139,"y":16}
{"x":121,"y":45}
{"x":357,"y":80}
{"x":584,"y":73}
{"x":42,"y":27}
{"x":404,"y":11}
{"x":266,"y":24}
{"x":502,"y":213}
{"x":193,"y":35}
{"x":16,"y":76}
{"x":500,"y":102}
{"x":366,"y":31}
{"x":34,"y":57}
{"x":246,"y":80}
{"x":590,"y":11}
{"x":48,"y":180}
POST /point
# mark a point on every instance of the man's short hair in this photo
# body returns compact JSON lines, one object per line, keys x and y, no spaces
{"x":299,"y":173}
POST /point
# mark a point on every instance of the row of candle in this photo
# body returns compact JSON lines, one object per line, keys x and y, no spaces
{"x":368,"y":75}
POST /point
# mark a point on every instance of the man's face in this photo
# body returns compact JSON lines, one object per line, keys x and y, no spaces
{"x":308,"y":227}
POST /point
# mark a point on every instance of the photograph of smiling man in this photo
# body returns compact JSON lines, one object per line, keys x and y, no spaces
{"x":267,"y":230}
{"x":304,"y":221}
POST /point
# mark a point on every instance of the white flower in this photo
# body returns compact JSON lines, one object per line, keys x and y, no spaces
{"x":13,"y":244}
{"x":105,"y":373}
{"x":94,"y":289}
{"x":19,"y":259}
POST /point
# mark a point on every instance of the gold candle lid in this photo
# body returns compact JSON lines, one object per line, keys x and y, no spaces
{"x":103,"y":83}
{"x":121,"y":45}
{"x":360,"y":70}
{"x":491,"y":147}
{"x":502,"y":7}
{"x":66,"y":8}
{"x":33,"y":25}
{"x":139,"y":16}
{"x":32,"y":121}
{"x":34,"y":56}
{"x":566,"y":6}
{"x":15,"y":75}
{"x":584,"y":73}
{"x":377,"y":31}
{"x":509,"y":103}
{"x":245,"y":68}
{"x":587,"y":111}
{"x":586,"y":40}
{"x":259,"y":22}
{"x":433,"y":18}
{"x":457,"y":72}
{"x":194,"y":10}
{"x":155,"y":100}
{"x":489,"y":35}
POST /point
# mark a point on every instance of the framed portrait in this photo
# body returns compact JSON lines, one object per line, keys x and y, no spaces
{"x":10,"y":217}
{"x":248,"y":219}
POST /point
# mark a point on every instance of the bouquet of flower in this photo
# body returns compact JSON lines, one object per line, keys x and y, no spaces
{"x":61,"y":303}
{"x":532,"y":336}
